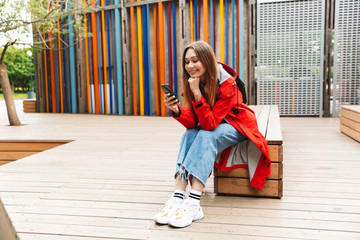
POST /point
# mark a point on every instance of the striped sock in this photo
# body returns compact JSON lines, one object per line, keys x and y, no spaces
{"x":179,"y":195}
{"x":194,"y":197}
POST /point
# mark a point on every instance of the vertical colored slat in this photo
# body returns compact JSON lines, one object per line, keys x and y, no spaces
{"x":222,"y":53}
{"x":241,"y":40}
{"x":60,"y":68}
{"x":171,"y":80}
{"x":196,"y":19}
{"x":214,"y":29}
{"x":162,"y":54}
{"x":52,"y":73}
{"x":90,"y":70}
{"x":149,"y":61}
{"x":95,"y":60}
{"x":64,"y":74}
{"x":104,"y":69}
{"x":56,"y":67}
{"x":132,"y":24}
{"x":212,"y":23}
{"x":233,"y":33}
{"x":226,"y":33}
{"x":174,"y":47}
{"x":99,"y":59}
{"x":45,"y":75}
{"x":68,"y":73}
{"x":52,"y":70}
{"x":205,"y":9}
{"x":87,"y":63}
{"x":49,"y":77}
{"x":114,"y":65}
{"x":191,"y":21}
{"x":157,"y":83}
{"x":118,"y":60}
{"x":237,"y":36}
{"x":141,"y":66}
{"x":110,"y":104}
{"x":145,"y":59}
{"x":72,"y":65}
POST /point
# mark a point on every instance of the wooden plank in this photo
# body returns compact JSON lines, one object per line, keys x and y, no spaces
{"x":11,"y":155}
{"x":85,"y":184}
{"x":28,"y":146}
{"x":2,"y":162}
{"x":350,"y":132}
{"x":29,"y":102}
{"x":273,"y":134}
{"x":239,"y":186}
{"x":275,"y":153}
{"x":262,"y":119}
{"x":350,"y":123}
{"x":256,"y":108}
{"x":352,"y":113}
{"x":29,"y":111}
{"x":354,"y":108}
{"x":276,"y":172}
{"x":29,"y":106}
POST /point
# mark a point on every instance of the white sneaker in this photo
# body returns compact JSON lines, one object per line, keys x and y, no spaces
{"x":186,"y":214}
{"x":168,"y":210}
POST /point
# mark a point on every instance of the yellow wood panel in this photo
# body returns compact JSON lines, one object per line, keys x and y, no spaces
{"x":28,"y":146}
{"x":6,"y":155}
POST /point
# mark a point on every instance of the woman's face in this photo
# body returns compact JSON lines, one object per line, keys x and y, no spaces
{"x":193,"y":65}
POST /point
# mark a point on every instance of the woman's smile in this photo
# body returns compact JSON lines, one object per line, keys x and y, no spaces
{"x":193,"y":65}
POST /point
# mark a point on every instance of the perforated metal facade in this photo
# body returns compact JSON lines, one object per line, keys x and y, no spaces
{"x":290,"y":43}
{"x":346,"y":87}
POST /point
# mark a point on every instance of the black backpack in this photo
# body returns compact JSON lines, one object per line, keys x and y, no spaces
{"x":241,"y":86}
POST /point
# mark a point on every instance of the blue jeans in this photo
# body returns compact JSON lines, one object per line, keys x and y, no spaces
{"x":198,"y":150}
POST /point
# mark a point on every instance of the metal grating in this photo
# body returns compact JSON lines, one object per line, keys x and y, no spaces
{"x":290,"y":42}
{"x":346,"y":85}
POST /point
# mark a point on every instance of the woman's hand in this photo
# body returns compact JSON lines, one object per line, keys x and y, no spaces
{"x":171,"y":102}
{"x":194,"y":86}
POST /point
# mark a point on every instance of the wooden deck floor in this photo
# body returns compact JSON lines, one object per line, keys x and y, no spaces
{"x":116,"y":174}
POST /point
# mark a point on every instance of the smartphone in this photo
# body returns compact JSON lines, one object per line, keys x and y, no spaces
{"x":167,"y":89}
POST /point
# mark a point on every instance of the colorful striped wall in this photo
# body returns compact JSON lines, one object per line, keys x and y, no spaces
{"x":134,"y":48}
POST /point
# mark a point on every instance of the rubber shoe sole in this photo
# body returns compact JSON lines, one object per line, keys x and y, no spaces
{"x":178,"y":224}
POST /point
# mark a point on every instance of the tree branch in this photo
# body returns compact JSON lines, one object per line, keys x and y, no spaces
{"x":8,"y":44}
{"x":51,"y":49}
{"x":27,"y":22}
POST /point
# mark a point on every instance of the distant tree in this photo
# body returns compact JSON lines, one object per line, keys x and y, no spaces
{"x":44,"y":16}
{"x":19,"y":67}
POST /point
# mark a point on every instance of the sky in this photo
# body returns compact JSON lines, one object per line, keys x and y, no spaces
{"x":22,"y":37}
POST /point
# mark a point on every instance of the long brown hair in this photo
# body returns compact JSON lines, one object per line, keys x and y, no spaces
{"x":208,"y":60}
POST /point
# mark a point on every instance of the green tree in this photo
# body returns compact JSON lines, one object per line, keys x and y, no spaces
{"x":44,"y":16}
{"x":19,"y":68}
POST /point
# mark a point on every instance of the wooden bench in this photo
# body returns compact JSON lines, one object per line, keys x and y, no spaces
{"x":12,"y":150}
{"x":236,"y":181}
{"x":29,"y":106}
{"x":350,"y":121}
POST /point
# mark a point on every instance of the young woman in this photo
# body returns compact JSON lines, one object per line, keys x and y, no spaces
{"x":221,"y":131}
